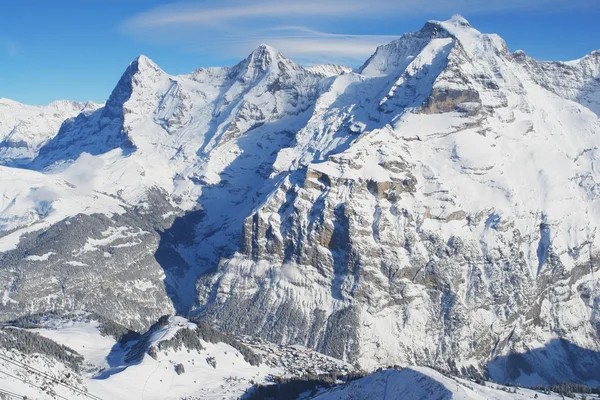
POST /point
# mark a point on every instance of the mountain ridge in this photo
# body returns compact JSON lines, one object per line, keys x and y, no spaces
{"x":425,"y":192}
{"x":25,"y":129}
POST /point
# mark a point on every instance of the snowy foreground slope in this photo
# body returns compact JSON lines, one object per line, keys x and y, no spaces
{"x":173,"y":361}
{"x":437,"y":206}
{"x":425,"y":383}
{"x":106,"y":369}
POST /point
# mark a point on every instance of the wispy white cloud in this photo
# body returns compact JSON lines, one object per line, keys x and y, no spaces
{"x":309,"y":46}
{"x":231,"y":28}
{"x":234,"y":10}
{"x":179,"y":14}
{"x":301,"y":41}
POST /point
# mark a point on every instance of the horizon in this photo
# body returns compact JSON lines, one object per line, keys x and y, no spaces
{"x":78,"y":53}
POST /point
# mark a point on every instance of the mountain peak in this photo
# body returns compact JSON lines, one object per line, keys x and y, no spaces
{"x":472,"y":41}
{"x":455,"y":25}
{"x":142,"y":71}
{"x":458,"y":20}
{"x":142,"y":63}
{"x":263,"y":59}
{"x":263,"y":56}
{"x":265,"y":48}
{"x":398,"y":54}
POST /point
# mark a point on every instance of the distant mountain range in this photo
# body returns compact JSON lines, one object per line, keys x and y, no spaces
{"x":437,"y":206}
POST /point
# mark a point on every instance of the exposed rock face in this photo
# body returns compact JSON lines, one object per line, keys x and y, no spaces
{"x":437,"y":207}
{"x":446,"y":100}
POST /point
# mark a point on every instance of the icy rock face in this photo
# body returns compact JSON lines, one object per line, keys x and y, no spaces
{"x":436,"y":207}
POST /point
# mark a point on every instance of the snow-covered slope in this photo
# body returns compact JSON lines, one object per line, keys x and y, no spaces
{"x":329,"y":69}
{"x":105,"y":369}
{"x":577,"y":80}
{"x":439,"y":206}
{"x":418,"y":383}
{"x":82,"y":355}
{"x":25,"y":129}
{"x":30,"y":198}
{"x":174,"y":359}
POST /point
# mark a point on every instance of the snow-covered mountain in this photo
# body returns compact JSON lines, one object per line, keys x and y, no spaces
{"x":438,"y":206}
{"x":25,"y":129}
{"x":329,"y":69}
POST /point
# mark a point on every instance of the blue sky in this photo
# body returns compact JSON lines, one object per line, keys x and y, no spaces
{"x":77,"y":50}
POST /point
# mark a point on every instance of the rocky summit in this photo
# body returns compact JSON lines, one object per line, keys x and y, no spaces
{"x":436,"y":207}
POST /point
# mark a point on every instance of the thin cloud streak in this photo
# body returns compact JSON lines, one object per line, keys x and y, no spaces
{"x":200,"y":13}
{"x":194,"y":14}
{"x":233,"y":28}
{"x":310,"y":46}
